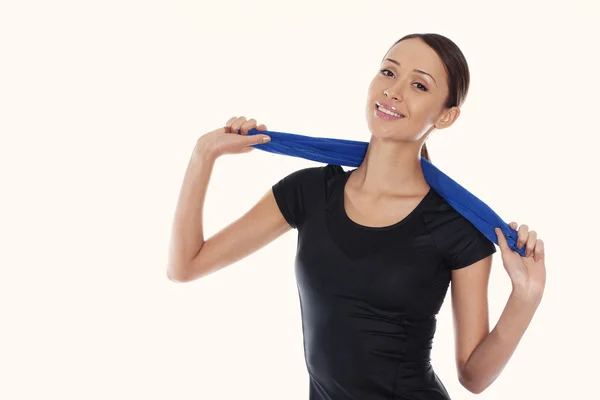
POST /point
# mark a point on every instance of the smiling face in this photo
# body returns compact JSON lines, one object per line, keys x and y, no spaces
{"x":412,"y":86}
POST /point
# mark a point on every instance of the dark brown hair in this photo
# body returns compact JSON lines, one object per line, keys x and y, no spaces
{"x":457,"y":70}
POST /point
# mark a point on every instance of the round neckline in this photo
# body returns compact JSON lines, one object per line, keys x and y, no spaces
{"x":377,"y":228}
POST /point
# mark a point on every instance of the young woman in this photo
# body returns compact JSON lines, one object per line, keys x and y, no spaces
{"x":377,"y":246}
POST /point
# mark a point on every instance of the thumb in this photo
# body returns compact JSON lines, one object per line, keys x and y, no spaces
{"x":501,"y":239}
{"x":259,"y":139}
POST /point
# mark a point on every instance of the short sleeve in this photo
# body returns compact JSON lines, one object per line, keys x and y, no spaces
{"x":466,"y":245}
{"x":296,"y":192}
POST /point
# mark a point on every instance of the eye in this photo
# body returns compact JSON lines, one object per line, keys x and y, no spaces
{"x":424,"y":88}
{"x":388,"y":73}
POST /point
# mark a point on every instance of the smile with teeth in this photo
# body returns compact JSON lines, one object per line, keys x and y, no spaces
{"x":388,"y":112}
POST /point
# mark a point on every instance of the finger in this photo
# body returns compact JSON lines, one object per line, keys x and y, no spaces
{"x":229,"y":122}
{"x":248,"y":125}
{"x":539,"y":252}
{"x":235,"y":126}
{"x":251,"y":141}
{"x":531,"y":242}
{"x":501,"y":239}
{"x":261,"y":127}
{"x":522,"y":236}
{"x":258,"y":139}
{"x":513,"y":225}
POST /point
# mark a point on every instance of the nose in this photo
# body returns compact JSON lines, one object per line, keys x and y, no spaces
{"x":389,"y":93}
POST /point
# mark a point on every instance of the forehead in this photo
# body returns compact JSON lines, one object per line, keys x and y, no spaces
{"x":416,"y":54}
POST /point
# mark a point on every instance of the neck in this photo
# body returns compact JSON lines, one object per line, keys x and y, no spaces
{"x":391,"y":168}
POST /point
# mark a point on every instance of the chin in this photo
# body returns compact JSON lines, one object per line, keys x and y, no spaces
{"x":381,"y":127}
{"x":381,"y":132}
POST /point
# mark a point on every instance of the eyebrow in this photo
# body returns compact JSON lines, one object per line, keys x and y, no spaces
{"x":416,"y":70}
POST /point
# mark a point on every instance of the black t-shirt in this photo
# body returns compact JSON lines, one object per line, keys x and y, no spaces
{"x":370,"y":295}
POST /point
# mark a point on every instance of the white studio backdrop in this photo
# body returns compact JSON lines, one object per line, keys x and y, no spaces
{"x":100,"y":107}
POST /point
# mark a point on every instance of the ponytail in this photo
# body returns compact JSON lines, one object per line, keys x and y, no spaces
{"x":425,"y":153}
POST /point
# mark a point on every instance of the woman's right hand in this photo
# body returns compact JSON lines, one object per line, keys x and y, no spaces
{"x":226,"y":140}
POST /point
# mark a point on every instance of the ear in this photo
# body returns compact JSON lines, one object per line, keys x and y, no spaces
{"x":447,"y":118}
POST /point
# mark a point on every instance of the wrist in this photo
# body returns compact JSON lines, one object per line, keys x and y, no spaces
{"x":527,"y":294}
{"x":204,"y":150}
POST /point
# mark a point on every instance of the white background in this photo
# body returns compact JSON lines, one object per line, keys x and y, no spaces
{"x":100,"y":106}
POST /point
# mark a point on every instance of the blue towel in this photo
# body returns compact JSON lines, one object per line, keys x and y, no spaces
{"x":351,"y":153}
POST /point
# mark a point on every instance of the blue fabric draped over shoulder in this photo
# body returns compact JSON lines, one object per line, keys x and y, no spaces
{"x":351,"y":153}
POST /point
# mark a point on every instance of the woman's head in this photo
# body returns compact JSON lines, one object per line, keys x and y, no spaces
{"x":423,"y":77}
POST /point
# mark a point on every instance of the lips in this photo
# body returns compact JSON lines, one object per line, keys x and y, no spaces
{"x":388,"y":111}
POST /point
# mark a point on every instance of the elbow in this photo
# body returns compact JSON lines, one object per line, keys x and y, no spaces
{"x":179,"y":275}
{"x":474,"y":389}
{"x":176,"y":277}
{"x":477,"y":390}
{"x":472,"y":385}
{"x":187,"y":272}
{"x":179,"y":271}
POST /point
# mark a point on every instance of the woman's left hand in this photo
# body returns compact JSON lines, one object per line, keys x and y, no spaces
{"x":528,"y":274}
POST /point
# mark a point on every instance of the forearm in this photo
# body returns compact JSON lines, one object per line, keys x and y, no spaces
{"x":187,"y":233}
{"x":491,"y":356}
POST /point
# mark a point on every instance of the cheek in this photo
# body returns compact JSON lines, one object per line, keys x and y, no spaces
{"x":371,"y":95}
{"x":421,"y":106}
{"x":376,"y":86}
{"x":370,"y":92}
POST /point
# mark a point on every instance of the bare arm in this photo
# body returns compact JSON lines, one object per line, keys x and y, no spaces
{"x":492,"y":354}
{"x":190,"y":255}
{"x":482,"y":355}
{"x":470,"y":315}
